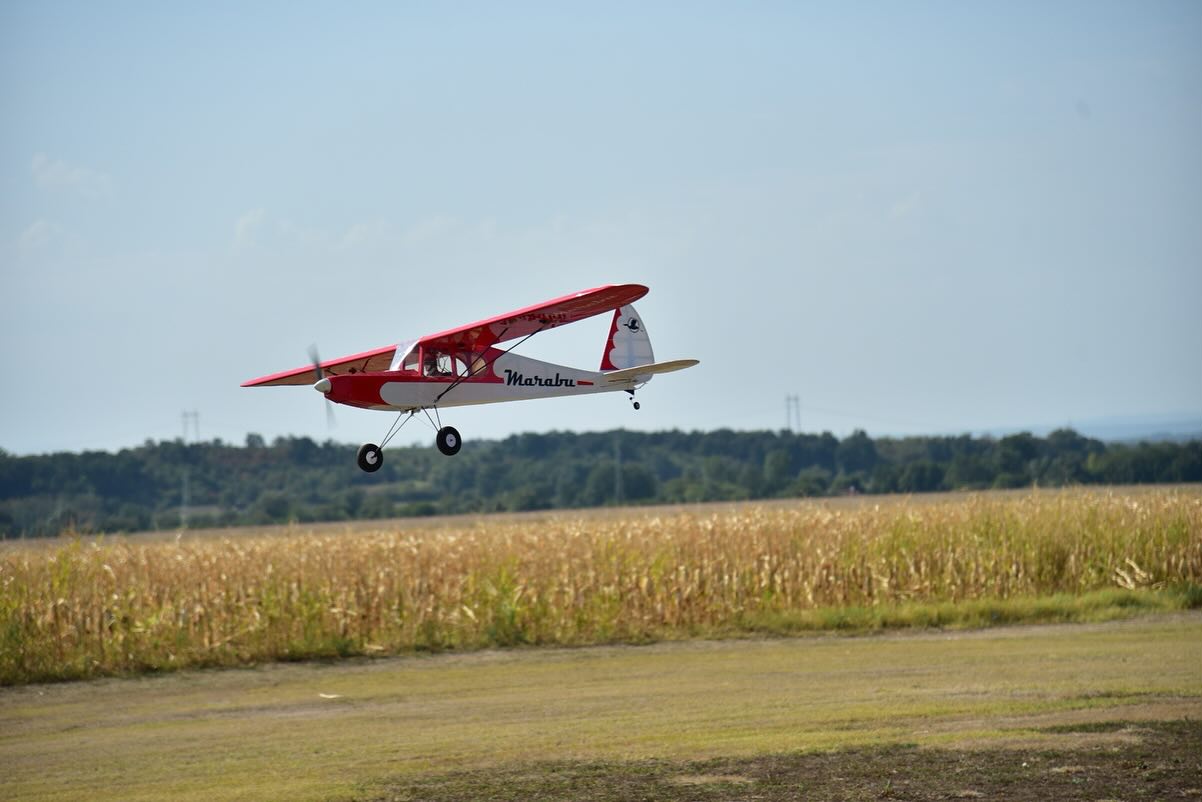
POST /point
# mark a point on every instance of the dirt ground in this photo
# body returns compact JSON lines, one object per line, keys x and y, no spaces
{"x":1112,"y":761}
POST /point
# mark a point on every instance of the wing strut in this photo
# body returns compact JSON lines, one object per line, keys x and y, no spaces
{"x":460,"y":379}
{"x":396,"y":427}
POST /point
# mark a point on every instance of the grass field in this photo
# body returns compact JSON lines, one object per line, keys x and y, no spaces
{"x":86,"y":608}
{"x":1093,"y":711}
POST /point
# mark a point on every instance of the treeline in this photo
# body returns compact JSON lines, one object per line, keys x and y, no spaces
{"x":167,"y":484}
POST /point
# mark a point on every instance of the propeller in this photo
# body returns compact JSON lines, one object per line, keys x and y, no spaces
{"x":321,"y":384}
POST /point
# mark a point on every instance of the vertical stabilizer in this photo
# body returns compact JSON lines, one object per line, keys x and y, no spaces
{"x":628,"y":345}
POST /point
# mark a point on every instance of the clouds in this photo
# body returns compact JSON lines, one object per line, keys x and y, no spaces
{"x":59,"y":182}
{"x":907,"y":206}
{"x":247,"y":226}
{"x":56,"y":175}
{"x":39,"y":234}
{"x":458,"y":242}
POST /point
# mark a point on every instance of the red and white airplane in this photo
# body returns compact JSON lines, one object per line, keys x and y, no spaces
{"x":463,"y":366}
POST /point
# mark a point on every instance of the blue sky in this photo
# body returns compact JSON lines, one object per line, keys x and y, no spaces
{"x":921,"y":217}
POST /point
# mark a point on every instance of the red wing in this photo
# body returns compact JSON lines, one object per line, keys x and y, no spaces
{"x":376,"y":360}
{"x":476,"y":336}
{"x":547,"y":315}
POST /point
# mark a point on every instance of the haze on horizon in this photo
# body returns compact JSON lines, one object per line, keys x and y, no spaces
{"x":919,"y":218}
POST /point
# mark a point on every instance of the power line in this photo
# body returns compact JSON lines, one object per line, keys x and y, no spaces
{"x":873,"y":418}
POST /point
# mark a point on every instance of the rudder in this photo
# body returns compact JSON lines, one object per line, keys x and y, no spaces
{"x":628,"y":345}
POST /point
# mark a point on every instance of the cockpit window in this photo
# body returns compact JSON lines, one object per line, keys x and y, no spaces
{"x":443,"y":365}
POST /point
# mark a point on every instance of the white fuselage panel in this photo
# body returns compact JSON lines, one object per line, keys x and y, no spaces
{"x":521,"y":378}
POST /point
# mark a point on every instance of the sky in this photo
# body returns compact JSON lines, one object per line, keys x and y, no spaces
{"x":916,"y":217}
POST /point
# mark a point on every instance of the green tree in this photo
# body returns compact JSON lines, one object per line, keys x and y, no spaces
{"x":920,"y":477}
{"x":856,"y":453}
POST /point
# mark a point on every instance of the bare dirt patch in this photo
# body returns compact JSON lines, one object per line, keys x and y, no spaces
{"x":1162,"y":761}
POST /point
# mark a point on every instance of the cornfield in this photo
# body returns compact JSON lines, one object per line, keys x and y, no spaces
{"x":85,"y":607}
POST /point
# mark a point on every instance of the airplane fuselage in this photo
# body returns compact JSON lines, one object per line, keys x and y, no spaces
{"x":498,"y":376}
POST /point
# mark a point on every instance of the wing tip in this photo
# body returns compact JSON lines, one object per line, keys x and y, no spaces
{"x":261,"y":380}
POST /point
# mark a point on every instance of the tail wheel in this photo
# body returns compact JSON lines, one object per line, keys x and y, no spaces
{"x":370,"y":457}
{"x":448,"y":440}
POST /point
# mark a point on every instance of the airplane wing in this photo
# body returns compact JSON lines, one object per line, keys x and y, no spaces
{"x":379,"y":359}
{"x":547,"y":315}
{"x":475,"y":336}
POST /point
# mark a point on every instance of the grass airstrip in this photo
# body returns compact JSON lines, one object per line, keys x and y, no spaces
{"x":993,"y":713}
{"x":643,"y":655}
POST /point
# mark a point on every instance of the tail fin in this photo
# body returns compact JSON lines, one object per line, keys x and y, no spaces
{"x":628,"y":345}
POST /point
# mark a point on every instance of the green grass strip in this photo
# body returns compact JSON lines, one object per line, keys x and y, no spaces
{"x":1061,"y":608}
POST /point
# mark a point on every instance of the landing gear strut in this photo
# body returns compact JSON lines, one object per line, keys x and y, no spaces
{"x":633,"y":403}
{"x":371,"y":456}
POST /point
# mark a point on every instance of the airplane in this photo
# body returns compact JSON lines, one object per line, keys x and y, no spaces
{"x":463,"y":366}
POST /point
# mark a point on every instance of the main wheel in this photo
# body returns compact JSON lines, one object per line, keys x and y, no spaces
{"x":448,"y":440}
{"x":370,"y":457}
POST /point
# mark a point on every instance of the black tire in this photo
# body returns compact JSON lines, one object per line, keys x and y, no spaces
{"x":370,"y":457}
{"x":448,"y":440}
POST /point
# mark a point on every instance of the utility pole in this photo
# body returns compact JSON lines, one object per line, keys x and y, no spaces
{"x":191,"y":419}
{"x":793,"y":413}
{"x":186,"y":418}
{"x":183,"y":502}
{"x":618,"y":469}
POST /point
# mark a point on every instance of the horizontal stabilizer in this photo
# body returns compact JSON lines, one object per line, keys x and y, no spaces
{"x":638,"y":373}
